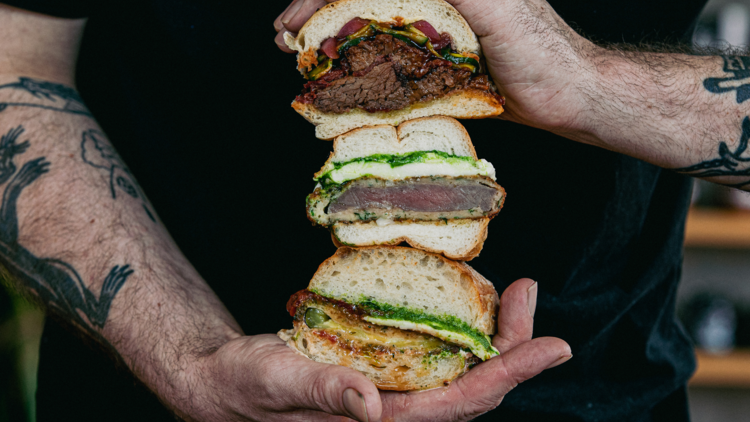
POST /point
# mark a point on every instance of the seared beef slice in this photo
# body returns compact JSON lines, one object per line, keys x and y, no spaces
{"x":420,"y":195}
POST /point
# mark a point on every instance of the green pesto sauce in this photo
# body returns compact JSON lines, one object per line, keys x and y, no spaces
{"x":394,"y":160}
{"x":443,"y":322}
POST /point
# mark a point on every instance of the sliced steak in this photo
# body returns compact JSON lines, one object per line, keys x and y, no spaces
{"x":385,"y":73}
{"x":379,"y":90}
{"x":417,"y":198}
{"x":423,"y":194}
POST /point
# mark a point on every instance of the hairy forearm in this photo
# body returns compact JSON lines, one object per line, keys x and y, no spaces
{"x":681,"y":112}
{"x":78,"y":235}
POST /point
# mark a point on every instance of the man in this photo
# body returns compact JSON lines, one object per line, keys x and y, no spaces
{"x":198,"y":108}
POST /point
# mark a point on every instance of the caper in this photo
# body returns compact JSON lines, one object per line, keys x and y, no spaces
{"x":315,"y":318}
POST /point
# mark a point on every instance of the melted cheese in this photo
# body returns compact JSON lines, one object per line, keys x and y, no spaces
{"x":395,"y":338}
{"x":434,"y":167}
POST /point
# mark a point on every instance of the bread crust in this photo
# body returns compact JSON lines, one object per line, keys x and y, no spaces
{"x":327,"y":22}
{"x":477,"y":242}
{"x":465,"y":104}
{"x":396,"y":142}
{"x":389,"y":369}
{"x":483,"y":300}
{"x":405,"y":127}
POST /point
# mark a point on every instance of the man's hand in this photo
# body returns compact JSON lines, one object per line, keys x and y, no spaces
{"x":532,"y":55}
{"x":260,"y":378}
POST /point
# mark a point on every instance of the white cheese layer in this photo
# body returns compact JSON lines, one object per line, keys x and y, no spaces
{"x":449,"y":336}
{"x":435,"y":167}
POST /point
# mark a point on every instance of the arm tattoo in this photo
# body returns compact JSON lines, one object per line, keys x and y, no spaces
{"x":739,"y":66}
{"x":55,"y":282}
{"x":97,"y":152}
{"x":56,"y":97}
{"x":729,"y":163}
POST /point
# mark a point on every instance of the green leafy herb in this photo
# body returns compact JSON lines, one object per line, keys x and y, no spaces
{"x":442,"y":322}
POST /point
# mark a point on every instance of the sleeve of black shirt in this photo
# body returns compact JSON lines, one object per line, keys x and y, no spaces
{"x":72,"y":9}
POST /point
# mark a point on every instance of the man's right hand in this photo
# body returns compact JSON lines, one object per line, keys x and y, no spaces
{"x":260,"y":378}
{"x":536,"y":59}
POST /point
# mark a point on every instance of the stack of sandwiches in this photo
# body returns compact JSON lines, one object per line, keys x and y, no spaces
{"x":385,"y":81}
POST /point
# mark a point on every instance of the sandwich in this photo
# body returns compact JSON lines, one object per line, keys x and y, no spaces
{"x":419,"y":183}
{"x":388,"y":61}
{"x":405,"y":318}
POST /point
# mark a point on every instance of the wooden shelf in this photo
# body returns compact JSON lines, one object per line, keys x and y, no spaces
{"x":718,"y":228}
{"x":731,"y":370}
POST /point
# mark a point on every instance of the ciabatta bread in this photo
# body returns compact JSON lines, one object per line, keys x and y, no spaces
{"x":402,"y":370}
{"x":410,"y":278}
{"x":438,"y":133}
{"x":460,"y":239}
{"x":466,"y":104}
{"x":328,"y":21}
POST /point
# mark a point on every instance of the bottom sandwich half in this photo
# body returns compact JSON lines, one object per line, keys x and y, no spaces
{"x":405,"y":318}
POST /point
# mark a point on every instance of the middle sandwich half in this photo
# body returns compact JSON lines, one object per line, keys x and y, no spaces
{"x":420,"y":183}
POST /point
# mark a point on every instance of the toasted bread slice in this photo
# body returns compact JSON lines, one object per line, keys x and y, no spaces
{"x":399,"y":369}
{"x":466,"y":104}
{"x":409,"y":278}
{"x":460,"y":239}
{"x":436,"y":133}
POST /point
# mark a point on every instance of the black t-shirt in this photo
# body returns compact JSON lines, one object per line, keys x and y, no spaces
{"x":195,"y":96}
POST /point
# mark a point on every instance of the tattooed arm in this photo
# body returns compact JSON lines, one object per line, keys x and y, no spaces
{"x":682,"y":112}
{"x":78,"y":236}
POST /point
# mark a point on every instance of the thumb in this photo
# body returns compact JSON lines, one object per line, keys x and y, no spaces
{"x":338,"y":391}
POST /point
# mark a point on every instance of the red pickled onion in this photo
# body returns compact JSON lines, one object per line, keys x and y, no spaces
{"x":352,"y":26}
{"x":329,"y":48}
{"x":428,"y":30}
{"x":445,"y":40}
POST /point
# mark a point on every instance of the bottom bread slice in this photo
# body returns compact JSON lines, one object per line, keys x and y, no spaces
{"x":459,"y":239}
{"x":466,"y":104}
{"x":392,"y":368}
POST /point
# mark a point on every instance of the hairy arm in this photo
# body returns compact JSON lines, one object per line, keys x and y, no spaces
{"x":77,"y":234}
{"x":680,"y":111}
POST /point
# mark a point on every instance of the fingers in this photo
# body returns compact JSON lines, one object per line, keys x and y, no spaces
{"x":279,"y":40}
{"x":481,"y":389}
{"x":261,"y":378}
{"x":515,"y":320}
{"x":340,"y":391}
{"x":294,"y":17}
{"x":277,"y":25}
{"x":332,"y":389}
{"x":295,"y":22}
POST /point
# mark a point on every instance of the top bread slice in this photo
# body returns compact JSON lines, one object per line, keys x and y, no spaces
{"x":409,"y":278}
{"x":437,"y":133}
{"x":328,"y":21}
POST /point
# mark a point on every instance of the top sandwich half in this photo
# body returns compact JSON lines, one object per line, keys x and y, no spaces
{"x":388,"y":61}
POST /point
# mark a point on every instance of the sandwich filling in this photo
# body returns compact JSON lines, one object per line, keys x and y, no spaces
{"x":381,"y":67}
{"x":381,"y":325}
{"x":418,"y":186}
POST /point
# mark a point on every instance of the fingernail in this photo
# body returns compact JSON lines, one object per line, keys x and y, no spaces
{"x":279,"y":39}
{"x":532,"y":298}
{"x":560,"y":361}
{"x":354,"y":403}
{"x":293,"y":9}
